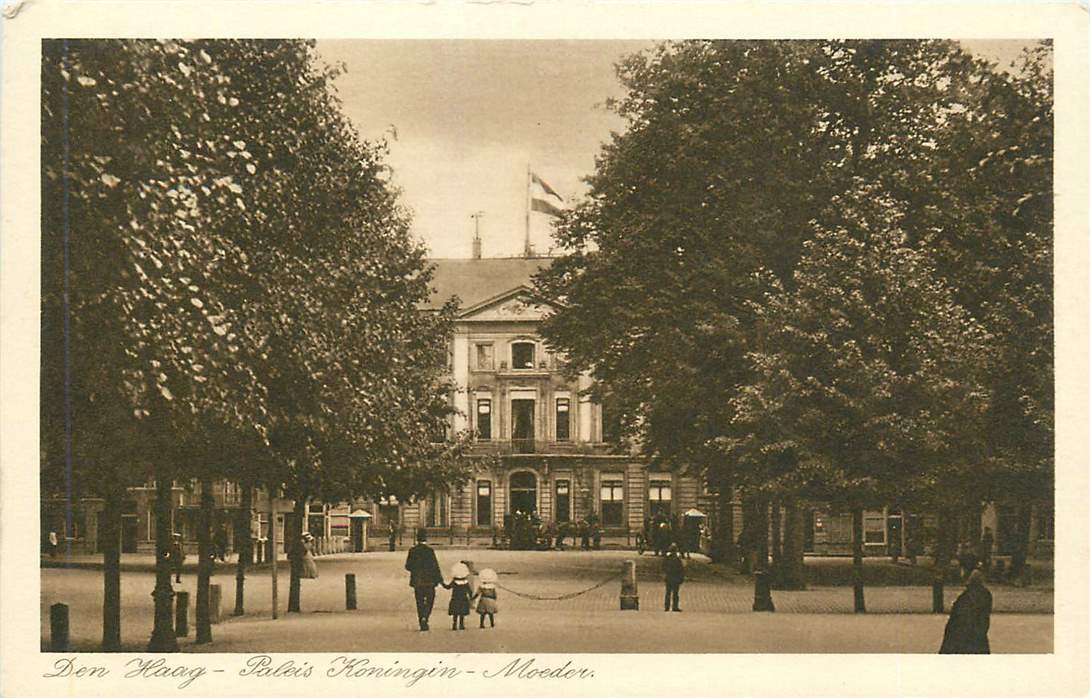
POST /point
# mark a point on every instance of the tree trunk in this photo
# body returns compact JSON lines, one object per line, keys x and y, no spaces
{"x":944,"y":542}
{"x":162,"y":635}
{"x":857,"y":560}
{"x":760,"y":535}
{"x":205,"y":561}
{"x":794,"y":568}
{"x":749,"y":539}
{"x":111,"y":570}
{"x":1020,"y":550}
{"x":291,"y":544}
{"x":245,"y":545}
{"x":777,"y":544}
{"x":723,"y":548}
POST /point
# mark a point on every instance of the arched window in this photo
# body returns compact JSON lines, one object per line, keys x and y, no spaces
{"x":524,"y":492}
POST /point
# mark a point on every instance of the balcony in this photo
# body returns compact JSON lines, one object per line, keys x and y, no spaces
{"x":538,"y":446}
{"x":522,"y":446}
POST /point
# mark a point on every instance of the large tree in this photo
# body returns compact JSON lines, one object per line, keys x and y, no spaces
{"x":730,"y":156}
{"x":227,"y":261}
{"x":868,"y":376}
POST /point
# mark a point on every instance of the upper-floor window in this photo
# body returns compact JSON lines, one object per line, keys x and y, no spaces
{"x":485,"y":357}
{"x":563,"y":421}
{"x":484,"y":419}
{"x":522,"y":355}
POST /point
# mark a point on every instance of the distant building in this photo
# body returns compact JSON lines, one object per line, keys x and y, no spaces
{"x":540,"y":446}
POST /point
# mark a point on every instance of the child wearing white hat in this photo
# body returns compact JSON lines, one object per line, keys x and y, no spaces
{"x":486,"y":597}
{"x":460,"y":595}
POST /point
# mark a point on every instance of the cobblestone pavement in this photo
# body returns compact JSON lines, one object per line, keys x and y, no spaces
{"x":710,"y":592}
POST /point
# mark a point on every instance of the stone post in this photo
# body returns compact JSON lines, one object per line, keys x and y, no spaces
{"x":630,"y":597}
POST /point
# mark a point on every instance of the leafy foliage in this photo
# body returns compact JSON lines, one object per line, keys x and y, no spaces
{"x":229,"y":281}
{"x":749,"y":179}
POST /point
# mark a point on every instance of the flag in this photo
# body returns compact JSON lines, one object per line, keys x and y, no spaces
{"x":541,"y":183}
{"x":539,"y":190}
{"x":543,"y":206}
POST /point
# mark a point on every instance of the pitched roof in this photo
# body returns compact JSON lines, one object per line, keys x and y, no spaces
{"x":475,"y":280}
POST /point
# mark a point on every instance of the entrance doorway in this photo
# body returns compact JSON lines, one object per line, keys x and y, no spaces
{"x":524,"y":492}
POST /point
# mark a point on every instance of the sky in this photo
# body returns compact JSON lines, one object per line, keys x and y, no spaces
{"x":464,"y":119}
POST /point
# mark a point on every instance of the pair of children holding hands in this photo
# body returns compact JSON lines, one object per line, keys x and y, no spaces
{"x":462,"y":595}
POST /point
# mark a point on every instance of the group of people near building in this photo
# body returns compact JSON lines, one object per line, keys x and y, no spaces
{"x":660,"y":532}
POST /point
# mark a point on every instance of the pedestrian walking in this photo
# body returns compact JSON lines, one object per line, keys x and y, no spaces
{"x":486,"y":597}
{"x":309,"y":564}
{"x":460,"y":595}
{"x":967,"y":628}
{"x":52,"y":544}
{"x":177,"y":556}
{"x":391,"y":532}
{"x":221,"y":543}
{"x":673,"y":570}
{"x":424,"y":576}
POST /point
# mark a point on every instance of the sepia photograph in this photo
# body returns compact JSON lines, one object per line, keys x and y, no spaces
{"x":675,"y":346}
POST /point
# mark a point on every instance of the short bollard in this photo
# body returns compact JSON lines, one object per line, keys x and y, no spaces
{"x":181,"y":614}
{"x":350,"y":592}
{"x":215,"y":599}
{"x":762,"y":592}
{"x":58,"y":627}
{"x":630,"y":597}
{"x":936,"y":596}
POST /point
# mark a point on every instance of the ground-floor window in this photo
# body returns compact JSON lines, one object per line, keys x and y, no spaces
{"x":612,"y":499}
{"x":563,"y":501}
{"x":874,"y":528}
{"x":484,"y":502}
{"x":659,"y":498}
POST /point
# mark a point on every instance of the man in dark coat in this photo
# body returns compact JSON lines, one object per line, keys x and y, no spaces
{"x":967,"y":627}
{"x":673,"y":570}
{"x":424,"y":576}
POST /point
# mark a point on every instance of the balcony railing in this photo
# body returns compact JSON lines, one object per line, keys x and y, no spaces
{"x":522,"y":445}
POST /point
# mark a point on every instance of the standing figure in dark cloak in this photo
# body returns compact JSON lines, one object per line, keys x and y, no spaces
{"x":967,"y":627}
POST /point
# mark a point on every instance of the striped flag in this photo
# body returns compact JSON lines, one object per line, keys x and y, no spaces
{"x":539,"y":191}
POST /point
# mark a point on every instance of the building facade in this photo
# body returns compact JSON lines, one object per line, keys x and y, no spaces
{"x":539,"y":443}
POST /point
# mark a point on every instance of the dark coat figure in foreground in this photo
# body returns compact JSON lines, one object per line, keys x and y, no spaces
{"x":424,"y":576}
{"x":967,"y":627}
{"x":673,"y":570}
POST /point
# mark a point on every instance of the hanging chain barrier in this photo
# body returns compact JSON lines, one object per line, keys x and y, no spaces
{"x":563,"y":597}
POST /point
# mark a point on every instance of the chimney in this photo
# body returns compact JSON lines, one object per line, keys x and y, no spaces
{"x":477,"y":234}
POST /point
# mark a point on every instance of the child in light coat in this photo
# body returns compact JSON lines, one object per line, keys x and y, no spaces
{"x":486,"y":597}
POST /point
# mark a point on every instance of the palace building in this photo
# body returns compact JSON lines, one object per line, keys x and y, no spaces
{"x":540,"y":446}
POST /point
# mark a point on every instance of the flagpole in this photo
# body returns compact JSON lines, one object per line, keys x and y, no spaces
{"x":526,"y":244}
